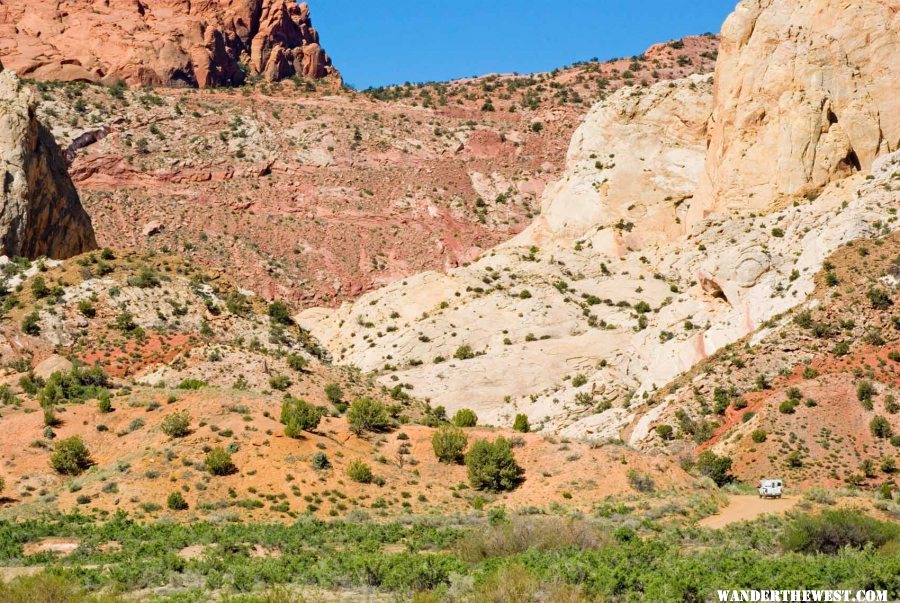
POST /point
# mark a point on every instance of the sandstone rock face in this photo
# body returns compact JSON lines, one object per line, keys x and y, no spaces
{"x":805,"y":93}
{"x":633,"y":161}
{"x":40,"y":214}
{"x":166,"y":42}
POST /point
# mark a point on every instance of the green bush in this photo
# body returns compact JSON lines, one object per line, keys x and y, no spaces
{"x":31,"y":323}
{"x":465,"y":418}
{"x":835,"y":529}
{"x":492,"y":466}
{"x":70,"y":456}
{"x":298,"y":416}
{"x":464,"y":352}
{"x":104,"y":403}
{"x":759,"y":436}
{"x":191,"y":384}
{"x":177,"y":424}
{"x":176,"y":501}
{"x":665,"y":431}
{"x":334,"y":393}
{"x":366,"y":414}
{"x":320,"y":461}
{"x":521,"y":424}
{"x":448,"y":444}
{"x":881,"y":427}
{"x":279,"y":313}
{"x":715,"y":467}
{"x":360,"y":472}
{"x":641,"y":481}
{"x":39,"y":288}
{"x":279,"y":382}
{"x":76,"y":385}
{"x":218,"y":462}
{"x":297,"y":362}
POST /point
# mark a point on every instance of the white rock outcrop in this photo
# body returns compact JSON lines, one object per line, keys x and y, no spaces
{"x":805,"y":94}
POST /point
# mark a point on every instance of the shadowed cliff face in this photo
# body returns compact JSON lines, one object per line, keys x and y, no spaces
{"x":164,"y":43}
{"x":41,"y":214}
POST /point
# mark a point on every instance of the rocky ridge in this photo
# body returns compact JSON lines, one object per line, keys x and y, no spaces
{"x":163,"y":43}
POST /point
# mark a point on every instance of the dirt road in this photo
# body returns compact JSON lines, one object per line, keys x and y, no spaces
{"x":744,"y":507}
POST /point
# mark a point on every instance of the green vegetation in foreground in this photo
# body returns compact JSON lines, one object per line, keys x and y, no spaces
{"x":593,"y":559}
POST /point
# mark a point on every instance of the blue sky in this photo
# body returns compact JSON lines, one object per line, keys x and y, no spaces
{"x":378,"y":42}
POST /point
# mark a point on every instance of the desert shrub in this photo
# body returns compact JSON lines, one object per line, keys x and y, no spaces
{"x":297,"y":362}
{"x":76,"y":385}
{"x":177,"y":424}
{"x":665,"y":431}
{"x":39,"y":287}
{"x":880,"y":427}
{"x":298,"y":416}
{"x":320,"y":461}
{"x":70,"y":456}
{"x":219,"y":462}
{"x":2,"y":485}
{"x":279,"y":313}
{"x":715,"y":467}
{"x":818,"y":494}
{"x":279,"y":382}
{"x":334,"y":393}
{"x":530,"y":532}
{"x":191,"y":384}
{"x":492,"y":465}
{"x":465,"y":418}
{"x":104,"y":403}
{"x":366,"y":414}
{"x":835,"y":529}
{"x":788,"y":407}
{"x":759,"y":436}
{"x":448,"y":444}
{"x":641,"y":481}
{"x":464,"y":352}
{"x":521,"y":424}
{"x":359,"y":471}
{"x":879,"y":298}
{"x":865,"y":390}
{"x":176,"y":501}
{"x":31,"y":323}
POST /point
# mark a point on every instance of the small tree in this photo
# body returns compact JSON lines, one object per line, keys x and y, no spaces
{"x":177,"y":424}
{"x":176,"y":501}
{"x":70,"y":456}
{"x":359,"y":472}
{"x":465,"y":418}
{"x":448,"y":444}
{"x":881,"y":427}
{"x":521,"y":423}
{"x":717,"y":468}
{"x":298,"y":416}
{"x":366,"y":414}
{"x":492,"y":466}
{"x":218,"y":462}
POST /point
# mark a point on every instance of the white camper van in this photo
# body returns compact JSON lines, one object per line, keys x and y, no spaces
{"x":770,"y":488}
